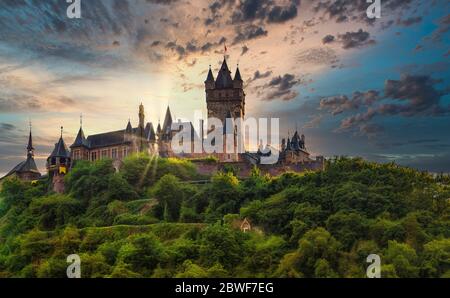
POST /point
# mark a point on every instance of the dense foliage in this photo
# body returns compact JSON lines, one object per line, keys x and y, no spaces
{"x":148,"y":220}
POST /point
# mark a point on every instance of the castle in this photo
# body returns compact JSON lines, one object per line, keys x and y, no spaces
{"x":225,"y":99}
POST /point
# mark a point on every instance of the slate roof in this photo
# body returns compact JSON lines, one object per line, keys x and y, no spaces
{"x":115,"y":138}
{"x":224,"y":79}
{"x":210,"y":75}
{"x":237,"y":76}
{"x":106,"y":139}
{"x":60,"y":149}
{"x":167,"y":126}
{"x":29,"y":165}
{"x":80,"y":140}
{"x":150,"y":132}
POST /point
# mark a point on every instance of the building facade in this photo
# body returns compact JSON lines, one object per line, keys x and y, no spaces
{"x":27,"y":169}
{"x":115,"y":145}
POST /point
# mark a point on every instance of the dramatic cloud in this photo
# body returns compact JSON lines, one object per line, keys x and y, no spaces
{"x":347,"y":10}
{"x":356,"y":39}
{"x":328,"y":39}
{"x":317,"y":56}
{"x":410,"y":96}
{"x":339,"y":104}
{"x":259,"y":75}
{"x":443,"y":28}
{"x":249,"y":32}
{"x":281,"y":87}
{"x":264,"y":10}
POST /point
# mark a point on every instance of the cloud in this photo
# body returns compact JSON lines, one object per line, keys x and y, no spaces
{"x":355,"y":10}
{"x":259,"y":75}
{"x":317,"y":56}
{"x":19,"y":94}
{"x":281,"y":87}
{"x":412,"y":95}
{"x":279,"y":14}
{"x":328,"y":39}
{"x":245,"y":49}
{"x":356,"y":39}
{"x":443,"y":27}
{"x":264,"y":10}
{"x":341,"y":103}
{"x":409,"y":21}
{"x":249,"y":32}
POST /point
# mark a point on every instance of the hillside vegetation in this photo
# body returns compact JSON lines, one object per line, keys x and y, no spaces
{"x":149,"y":221}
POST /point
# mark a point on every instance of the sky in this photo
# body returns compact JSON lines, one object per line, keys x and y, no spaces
{"x":355,"y":86}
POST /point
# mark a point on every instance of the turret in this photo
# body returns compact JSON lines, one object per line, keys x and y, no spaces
{"x":128,"y":135}
{"x":210,"y":83}
{"x":167,"y":125}
{"x":58,"y":164}
{"x":141,"y":116}
{"x":238,"y":82}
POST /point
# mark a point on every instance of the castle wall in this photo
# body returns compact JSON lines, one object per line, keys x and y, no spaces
{"x":244,"y":168}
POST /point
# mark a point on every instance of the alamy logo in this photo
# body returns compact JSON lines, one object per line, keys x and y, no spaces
{"x":74,"y":9}
{"x":374,"y":269}
{"x":374,"y":10}
{"x":74,"y":269}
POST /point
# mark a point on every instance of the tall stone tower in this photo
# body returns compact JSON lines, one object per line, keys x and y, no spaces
{"x":225,"y":95}
{"x":58,"y":164}
{"x":225,"y":99}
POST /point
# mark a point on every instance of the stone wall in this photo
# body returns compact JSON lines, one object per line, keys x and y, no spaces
{"x":243,"y":168}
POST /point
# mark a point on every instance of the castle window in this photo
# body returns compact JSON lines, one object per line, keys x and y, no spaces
{"x":114,"y":153}
{"x":94,"y":156}
{"x":124,"y":152}
{"x":104,"y":154}
{"x":76,"y":154}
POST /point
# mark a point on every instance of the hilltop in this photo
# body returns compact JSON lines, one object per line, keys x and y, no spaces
{"x":149,"y":220}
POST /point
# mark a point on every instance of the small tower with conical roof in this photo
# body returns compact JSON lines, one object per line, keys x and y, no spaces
{"x":165,"y":135}
{"x":59,"y":164}
{"x":80,"y":147}
{"x":210,"y":83}
{"x":238,"y":83}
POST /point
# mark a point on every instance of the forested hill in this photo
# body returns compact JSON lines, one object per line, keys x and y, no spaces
{"x":149,"y":221}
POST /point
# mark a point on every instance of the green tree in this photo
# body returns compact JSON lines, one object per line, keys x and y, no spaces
{"x":403,"y":258}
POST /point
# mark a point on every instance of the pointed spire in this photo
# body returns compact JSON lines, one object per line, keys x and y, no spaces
{"x":129,"y":128}
{"x":158,"y":129}
{"x":237,"y":76}
{"x":60,"y":149}
{"x":210,"y":77}
{"x":224,"y":79}
{"x":167,"y":126}
{"x":80,"y":140}
{"x":30,"y":149}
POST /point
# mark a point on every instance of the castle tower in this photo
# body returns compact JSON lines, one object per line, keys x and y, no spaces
{"x":225,"y":94}
{"x":58,"y":164}
{"x":142,"y":142}
{"x":80,"y":147}
{"x":225,"y":98}
{"x":165,"y":135}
